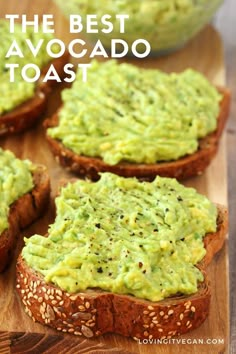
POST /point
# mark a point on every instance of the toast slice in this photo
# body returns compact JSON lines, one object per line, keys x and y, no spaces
{"x":23,"y":212}
{"x":95,"y":312}
{"x":182,"y":168}
{"x":26,"y":114}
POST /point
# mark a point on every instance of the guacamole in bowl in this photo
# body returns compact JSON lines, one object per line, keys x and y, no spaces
{"x":165,"y":24}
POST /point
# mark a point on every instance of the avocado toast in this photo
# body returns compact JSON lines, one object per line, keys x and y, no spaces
{"x":21,"y":102}
{"x":123,"y":256}
{"x":138,"y":122}
{"x":24,"y":191}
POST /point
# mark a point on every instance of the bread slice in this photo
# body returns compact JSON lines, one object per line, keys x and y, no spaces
{"x":183,"y":168}
{"x":26,"y":114}
{"x":96,"y":312}
{"x":23,"y":212}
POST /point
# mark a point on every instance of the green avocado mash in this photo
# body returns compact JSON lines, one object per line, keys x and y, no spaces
{"x":136,"y":115}
{"x":15,"y":93}
{"x":166,"y":24}
{"x":125,"y":236}
{"x":15,"y":180}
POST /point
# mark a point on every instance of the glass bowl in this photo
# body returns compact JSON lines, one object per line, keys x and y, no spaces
{"x":166,"y":24}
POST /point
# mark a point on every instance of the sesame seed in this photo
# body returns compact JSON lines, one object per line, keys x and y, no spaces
{"x":146,"y":334}
{"x":40,"y":299}
{"x":181,"y":316}
{"x":188,"y":323}
{"x":151,"y":325}
{"x":64,"y":330}
{"x":71,"y":330}
{"x":155,"y":322}
{"x":61,"y":303}
{"x":59,"y":292}
{"x":145,"y":326}
{"x":73,"y":297}
{"x":54,"y":302}
{"x":22,"y":291}
{"x":87,"y":305}
{"x":162,"y":313}
{"x":77,"y":333}
{"x":51,"y":297}
{"x":59,"y":328}
{"x":18,"y":286}
{"x":81,"y":307}
{"x":25,"y":281}
{"x":163,"y":337}
{"x":44,"y":289}
{"x":87,"y":332}
{"x":145,"y":312}
{"x":165,"y":317}
{"x":46,"y":297}
{"x":170,"y":312}
{"x":178,"y":323}
{"x":154,"y":318}
{"x":160,"y":330}
{"x":150,"y":337}
{"x":150,"y":308}
{"x":193,"y":309}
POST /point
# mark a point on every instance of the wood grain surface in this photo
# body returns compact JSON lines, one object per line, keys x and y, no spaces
{"x":18,"y":333}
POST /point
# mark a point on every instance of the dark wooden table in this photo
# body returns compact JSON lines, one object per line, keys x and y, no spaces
{"x":225,"y":21}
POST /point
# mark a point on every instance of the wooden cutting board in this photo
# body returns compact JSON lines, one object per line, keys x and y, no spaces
{"x":18,"y":333}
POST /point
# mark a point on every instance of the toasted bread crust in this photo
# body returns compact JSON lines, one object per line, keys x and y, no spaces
{"x":26,"y":114}
{"x":96,"y":312}
{"x":23,"y":212}
{"x":183,"y":168}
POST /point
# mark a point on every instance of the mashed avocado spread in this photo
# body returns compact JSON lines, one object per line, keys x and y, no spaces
{"x":125,"y":236}
{"x":15,"y":181}
{"x":125,"y":113}
{"x":15,"y":93}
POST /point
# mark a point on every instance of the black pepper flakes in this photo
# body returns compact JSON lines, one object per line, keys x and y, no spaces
{"x":98,"y":225}
{"x":140,"y":264}
{"x":100,"y":270}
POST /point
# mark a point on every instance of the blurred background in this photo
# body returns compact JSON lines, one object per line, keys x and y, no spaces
{"x":225,"y":21}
